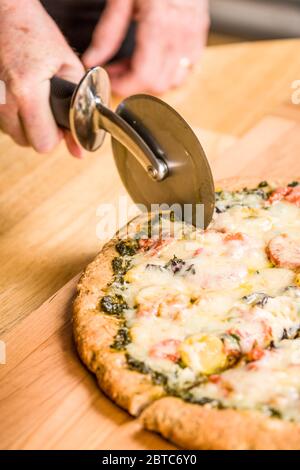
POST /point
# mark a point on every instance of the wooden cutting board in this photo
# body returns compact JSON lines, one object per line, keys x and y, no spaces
{"x":48,"y":400}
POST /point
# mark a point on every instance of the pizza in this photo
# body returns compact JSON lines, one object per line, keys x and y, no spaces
{"x":197,"y":332}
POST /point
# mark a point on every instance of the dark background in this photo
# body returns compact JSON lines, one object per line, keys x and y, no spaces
{"x":230,"y":20}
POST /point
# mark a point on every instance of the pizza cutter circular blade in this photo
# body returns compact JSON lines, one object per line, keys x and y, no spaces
{"x":188,"y":184}
{"x":159,"y":158}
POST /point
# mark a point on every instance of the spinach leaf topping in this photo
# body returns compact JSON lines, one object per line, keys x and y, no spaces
{"x":258,"y":192}
{"x":285,"y":334}
{"x":161,"y":379}
{"x":175,"y":264}
{"x":263,"y":184}
{"x":157,"y":377}
{"x":127,"y":247}
{"x":122,"y":339}
{"x":113,"y":304}
{"x":137,"y":365}
{"x":191,"y":269}
{"x":120,"y":265}
{"x":274,"y":413}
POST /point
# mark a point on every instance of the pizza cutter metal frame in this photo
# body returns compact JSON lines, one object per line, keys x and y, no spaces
{"x":159,"y":158}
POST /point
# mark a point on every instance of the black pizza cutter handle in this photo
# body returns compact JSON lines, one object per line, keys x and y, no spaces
{"x":61,"y":93}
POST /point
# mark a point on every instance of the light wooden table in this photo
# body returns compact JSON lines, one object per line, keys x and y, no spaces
{"x":238,"y":100}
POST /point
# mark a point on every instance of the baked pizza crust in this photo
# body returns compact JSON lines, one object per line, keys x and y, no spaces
{"x":198,"y":427}
{"x":94,"y":332}
{"x":186,"y":425}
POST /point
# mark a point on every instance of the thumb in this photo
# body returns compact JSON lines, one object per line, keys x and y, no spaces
{"x":109,"y":32}
{"x":72,"y":70}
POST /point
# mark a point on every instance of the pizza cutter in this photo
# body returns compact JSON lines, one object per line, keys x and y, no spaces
{"x":158,"y":156}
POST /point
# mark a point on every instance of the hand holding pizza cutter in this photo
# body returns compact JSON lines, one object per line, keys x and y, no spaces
{"x":158,"y":156}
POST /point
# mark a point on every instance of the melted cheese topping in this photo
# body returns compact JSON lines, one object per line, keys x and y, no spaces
{"x":273,"y":383}
{"x":209,"y":308}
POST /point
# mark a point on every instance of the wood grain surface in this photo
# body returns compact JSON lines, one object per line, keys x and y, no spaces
{"x":238,"y":100}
